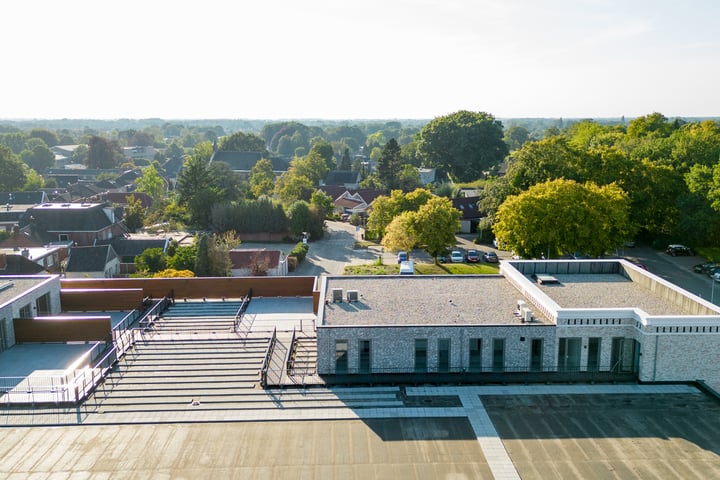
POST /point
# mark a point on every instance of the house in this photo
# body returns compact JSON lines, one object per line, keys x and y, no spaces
{"x":258,"y":262}
{"x":30,"y":260}
{"x":92,"y":262}
{"x":13,"y":206}
{"x":427,"y":175}
{"x":351,"y":201}
{"x":344,"y":178}
{"x":81,"y":223}
{"x":129,"y":248}
{"x":470,"y":218}
{"x":63,"y":154}
{"x":138,"y":152}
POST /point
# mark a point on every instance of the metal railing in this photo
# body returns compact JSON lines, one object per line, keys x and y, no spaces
{"x":266,"y":360}
{"x":238,"y":325}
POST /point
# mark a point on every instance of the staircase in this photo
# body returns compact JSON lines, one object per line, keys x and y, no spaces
{"x":302,"y":366}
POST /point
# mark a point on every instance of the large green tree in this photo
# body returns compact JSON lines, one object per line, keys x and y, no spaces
{"x":562,"y":216}
{"x":12,"y":171}
{"x":197,"y":188}
{"x":242,"y":142}
{"x":40,"y":158}
{"x":151,"y":183}
{"x":389,"y":164}
{"x":463,"y":145}
{"x":102,"y":153}
{"x":435,"y":224}
{"x":262,"y":178}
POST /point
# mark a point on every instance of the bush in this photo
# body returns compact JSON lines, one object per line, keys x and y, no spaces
{"x":299,"y":251}
{"x":292,"y":264}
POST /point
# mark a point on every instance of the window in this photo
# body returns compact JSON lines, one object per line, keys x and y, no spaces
{"x":444,"y":355}
{"x":569,"y":354}
{"x":43,"y":304}
{"x":536,"y":355}
{"x":475,"y":354}
{"x":63,"y":237}
{"x":341,"y":356}
{"x":25,"y":311}
{"x":420,"y":355}
{"x":498,"y":354}
{"x":593,"y":362}
{"x":364,"y":356}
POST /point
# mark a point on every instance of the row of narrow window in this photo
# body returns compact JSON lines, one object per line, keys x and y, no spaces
{"x":596,"y":321}
{"x":715,"y":329}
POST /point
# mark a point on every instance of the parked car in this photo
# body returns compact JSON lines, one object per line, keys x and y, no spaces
{"x":677,"y":249}
{"x":472,"y":256}
{"x":402,"y":257}
{"x":456,"y":256}
{"x":716,"y":277}
{"x":490,"y":257}
{"x":444,"y":257}
{"x":705,"y":267}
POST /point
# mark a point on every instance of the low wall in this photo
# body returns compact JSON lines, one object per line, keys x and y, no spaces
{"x":100,"y":299}
{"x":199,"y":287}
{"x":62,"y":329}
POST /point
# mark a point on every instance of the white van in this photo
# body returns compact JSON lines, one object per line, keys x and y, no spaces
{"x":407,"y":268}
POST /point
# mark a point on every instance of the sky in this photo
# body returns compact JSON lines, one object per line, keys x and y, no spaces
{"x":358,"y":59}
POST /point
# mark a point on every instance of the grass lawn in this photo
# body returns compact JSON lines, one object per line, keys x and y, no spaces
{"x":424,"y":269}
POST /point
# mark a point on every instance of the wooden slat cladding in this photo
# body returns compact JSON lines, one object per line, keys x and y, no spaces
{"x":62,"y":329}
{"x":100,"y":299}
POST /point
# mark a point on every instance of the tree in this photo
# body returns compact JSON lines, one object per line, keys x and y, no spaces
{"x":134,"y":214}
{"x":102,"y":153}
{"x":463,"y":145}
{"x":389,"y":164}
{"x":564,"y":216}
{"x":262,"y":178}
{"x":213,"y":255}
{"x":543,"y":160}
{"x":345,"y":162}
{"x":300,"y":217}
{"x":291,"y":186}
{"x":151,"y":260}
{"x":409,"y":178}
{"x":400,"y":233}
{"x":12,"y":171}
{"x":151,"y":183}
{"x":323,"y":149}
{"x":183,"y":258}
{"x":516,"y":136}
{"x":385,"y":209}
{"x":435,"y":224}
{"x":196,"y":187}
{"x":49,"y":137}
{"x":313,"y":166}
{"x":242,"y":142}
{"x":40,"y":158}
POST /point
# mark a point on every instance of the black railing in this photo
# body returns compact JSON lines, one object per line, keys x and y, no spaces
{"x":524,"y":374}
{"x":266,"y":360}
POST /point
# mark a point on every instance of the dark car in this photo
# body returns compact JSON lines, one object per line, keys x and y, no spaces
{"x":472,"y":256}
{"x":677,"y":249}
{"x":402,"y":257}
{"x":705,"y":267}
{"x":490,"y":257}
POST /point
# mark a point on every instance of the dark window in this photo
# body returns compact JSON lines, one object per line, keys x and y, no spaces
{"x":498,"y":354}
{"x":43,"y":304}
{"x":341,"y":356}
{"x":536,"y":355}
{"x":569,"y":354}
{"x":364,"y":356}
{"x":593,"y":364}
{"x":475,"y":360}
{"x":421,"y":355}
{"x":444,"y":355}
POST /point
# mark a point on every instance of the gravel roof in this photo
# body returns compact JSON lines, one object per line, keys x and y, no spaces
{"x":12,"y":287}
{"x":595,"y":290}
{"x":425,"y":300}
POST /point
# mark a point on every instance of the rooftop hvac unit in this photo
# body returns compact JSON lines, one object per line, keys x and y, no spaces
{"x":527,"y":315}
{"x":520,"y":305}
{"x":337,"y":294}
{"x":353,"y":296}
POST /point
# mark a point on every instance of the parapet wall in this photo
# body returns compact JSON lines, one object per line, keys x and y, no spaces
{"x":199,"y":287}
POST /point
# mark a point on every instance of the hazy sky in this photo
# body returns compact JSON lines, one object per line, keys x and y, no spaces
{"x":358,"y":58}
